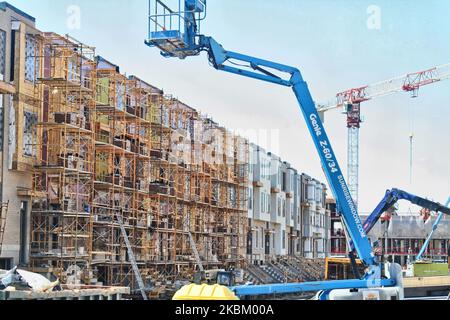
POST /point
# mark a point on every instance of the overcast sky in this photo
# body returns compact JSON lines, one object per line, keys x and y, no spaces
{"x":336,"y":44}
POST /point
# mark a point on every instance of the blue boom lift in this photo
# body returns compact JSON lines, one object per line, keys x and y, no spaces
{"x":392,"y":196}
{"x":390,"y":199}
{"x":176,"y":32}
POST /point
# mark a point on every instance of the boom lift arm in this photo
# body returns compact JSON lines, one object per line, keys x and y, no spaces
{"x":391,"y":198}
{"x":183,"y":39}
{"x":435,"y":225}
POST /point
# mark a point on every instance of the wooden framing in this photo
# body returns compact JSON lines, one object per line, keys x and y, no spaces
{"x":109,"y":143}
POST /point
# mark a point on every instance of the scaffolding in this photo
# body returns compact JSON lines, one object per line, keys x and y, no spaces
{"x":198,"y":190}
{"x":60,"y":220}
{"x":109,"y":145}
{"x":3,"y":216}
{"x":122,"y":143}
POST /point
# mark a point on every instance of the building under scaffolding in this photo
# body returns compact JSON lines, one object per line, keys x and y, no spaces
{"x":61,"y":221}
{"x":84,"y":144}
{"x":107,"y":144}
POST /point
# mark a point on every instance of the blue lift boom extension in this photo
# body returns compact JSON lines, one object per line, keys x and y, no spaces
{"x":391,"y":198}
{"x":177,"y":34}
{"x":435,"y":225}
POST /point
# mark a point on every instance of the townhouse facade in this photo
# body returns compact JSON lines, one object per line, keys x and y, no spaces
{"x":287,"y":211}
{"x":19,"y":48}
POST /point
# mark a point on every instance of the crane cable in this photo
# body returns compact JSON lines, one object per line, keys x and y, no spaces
{"x":411,"y":141}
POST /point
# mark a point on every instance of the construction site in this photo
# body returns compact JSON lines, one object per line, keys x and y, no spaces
{"x":112,"y":188}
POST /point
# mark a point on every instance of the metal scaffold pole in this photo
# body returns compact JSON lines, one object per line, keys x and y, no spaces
{"x":136,"y":272}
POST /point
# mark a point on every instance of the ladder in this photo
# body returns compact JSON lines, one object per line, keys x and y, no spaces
{"x":192,"y":243}
{"x":3,"y":214}
{"x":137,"y":274}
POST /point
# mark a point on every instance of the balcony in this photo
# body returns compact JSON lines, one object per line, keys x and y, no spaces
{"x":275,"y":190}
{"x":258,"y":184}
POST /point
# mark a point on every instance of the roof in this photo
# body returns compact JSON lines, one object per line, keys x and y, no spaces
{"x":106,"y":64}
{"x":5,"y":5}
{"x":145,"y":83}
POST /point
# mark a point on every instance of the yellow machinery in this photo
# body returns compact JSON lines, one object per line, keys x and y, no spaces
{"x":204,"y":292}
{"x":337,"y":268}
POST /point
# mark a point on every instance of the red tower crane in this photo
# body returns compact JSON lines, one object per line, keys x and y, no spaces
{"x":351,"y":101}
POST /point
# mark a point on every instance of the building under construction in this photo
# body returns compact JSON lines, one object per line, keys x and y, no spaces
{"x":109,"y":145}
{"x":401,"y":235}
{"x":89,"y":152}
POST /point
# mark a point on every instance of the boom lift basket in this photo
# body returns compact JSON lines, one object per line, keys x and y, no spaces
{"x":171,"y":26}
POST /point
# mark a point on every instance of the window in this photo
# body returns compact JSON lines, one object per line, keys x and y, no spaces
{"x":31,"y":62}
{"x":265,"y":202}
{"x":23,"y":232}
{"x":262,"y":202}
{"x":2,"y":55}
{"x":6,"y":263}
{"x":279,"y":207}
{"x":318,"y":194}
{"x":29,"y":136}
{"x":284,"y":208}
{"x":265,"y":207}
{"x":73,"y":73}
{"x":310,"y":190}
{"x":262,"y":237}
{"x":120,"y":91}
{"x":250,"y":199}
{"x":265,"y":169}
{"x":283,"y":185}
{"x":262,"y":169}
{"x":284,"y":239}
